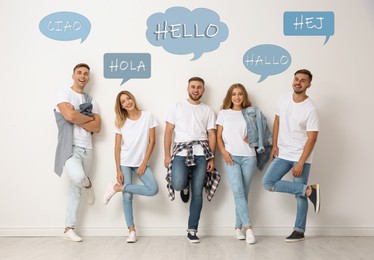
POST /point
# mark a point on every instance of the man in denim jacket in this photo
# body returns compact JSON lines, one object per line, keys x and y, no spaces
{"x":295,"y":133}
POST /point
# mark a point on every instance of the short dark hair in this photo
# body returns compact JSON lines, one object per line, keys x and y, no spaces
{"x":79,"y":65}
{"x":306,"y":72}
{"x":196,"y":79}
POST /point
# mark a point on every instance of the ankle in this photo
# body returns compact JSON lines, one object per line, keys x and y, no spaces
{"x":308,"y":191}
{"x":67,"y":229}
{"x":118,"y":187}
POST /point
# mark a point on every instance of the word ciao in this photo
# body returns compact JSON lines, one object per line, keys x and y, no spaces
{"x":65,"y":26}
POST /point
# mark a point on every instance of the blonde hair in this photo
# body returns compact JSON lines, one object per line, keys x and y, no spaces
{"x":121,"y":113}
{"x":227,"y":103}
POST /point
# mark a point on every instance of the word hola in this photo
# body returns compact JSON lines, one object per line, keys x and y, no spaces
{"x":126,"y":65}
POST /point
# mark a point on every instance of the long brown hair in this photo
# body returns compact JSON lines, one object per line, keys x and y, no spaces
{"x":121,"y":113}
{"x":227,"y":103}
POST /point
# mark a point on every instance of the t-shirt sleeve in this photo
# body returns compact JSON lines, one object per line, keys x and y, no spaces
{"x":153,"y":121}
{"x":95,"y":108}
{"x":312,"y":122}
{"x":61,"y":97}
{"x":211,"y":120}
{"x":170,"y":116}
{"x":220,"y":116}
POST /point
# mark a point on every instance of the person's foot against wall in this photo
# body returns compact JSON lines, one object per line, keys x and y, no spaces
{"x":313,"y":195}
{"x":69,"y":234}
{"x":113,"y":188}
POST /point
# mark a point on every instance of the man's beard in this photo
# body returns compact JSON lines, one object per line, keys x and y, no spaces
{"x":193,"y":98}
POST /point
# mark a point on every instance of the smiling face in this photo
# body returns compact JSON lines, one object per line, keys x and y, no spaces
{"x":80,"y":76}
{"x":195,"y":90}
{"x":301,"y":83}
{"x":127,"y":102}
{"x":237,"y":97}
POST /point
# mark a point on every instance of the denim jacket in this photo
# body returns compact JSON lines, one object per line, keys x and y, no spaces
{"x":259,"y":135}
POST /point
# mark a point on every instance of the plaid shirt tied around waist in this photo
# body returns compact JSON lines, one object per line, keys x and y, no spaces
{"x":211,"y":179}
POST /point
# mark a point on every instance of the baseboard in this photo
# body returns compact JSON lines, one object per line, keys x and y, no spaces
{"x":179,"y":231}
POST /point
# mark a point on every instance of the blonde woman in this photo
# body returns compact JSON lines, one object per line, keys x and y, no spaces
{"x":134,"y":142}
{"x":239,"y":158}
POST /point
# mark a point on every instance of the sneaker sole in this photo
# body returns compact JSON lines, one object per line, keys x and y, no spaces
{"x":318,"y":199}
{"x":69,"y":239}
{"x":294,"y":240}
{"x":193,"y":241}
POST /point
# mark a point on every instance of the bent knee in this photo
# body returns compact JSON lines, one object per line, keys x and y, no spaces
{"x":267,"y":185}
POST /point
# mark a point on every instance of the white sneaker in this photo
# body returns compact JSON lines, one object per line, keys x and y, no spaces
{"x":238,"y":234}
{"x":250,"y":238}
{"x":109,"y":193}
{"x":89,"y":194}
{"x":72,"y":236}
{"x":132,"y":237}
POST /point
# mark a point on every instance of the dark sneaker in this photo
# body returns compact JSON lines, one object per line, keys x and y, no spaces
{"x":185,"y":194}
{"x":314,"y":197}
{"x":191,"y":235}
{"x":295,"y":237}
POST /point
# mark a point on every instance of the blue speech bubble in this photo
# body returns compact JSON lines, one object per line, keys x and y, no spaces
{"x":181,"y":31}
{"x":126,"y":66}
{"x":266,"y":60}
{"x":309,"y":24}
{"x":65,"y":26}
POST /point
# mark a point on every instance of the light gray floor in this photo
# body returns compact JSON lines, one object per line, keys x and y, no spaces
{"x":178,"y":248}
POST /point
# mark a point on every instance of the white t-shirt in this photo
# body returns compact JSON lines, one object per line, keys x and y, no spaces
{"x":234,"y":131}
{"x":135,"y":139}
{"x":82,"y":138}
{"x":295,"y":119}
{"x":191,"y":123}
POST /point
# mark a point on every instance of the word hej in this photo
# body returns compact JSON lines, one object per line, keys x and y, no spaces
{"x":181,"y":31}
{"x":266,"y":60}
{"x":65,"y":26}
{"x":309,"y":24}
{"x":127,"y":65}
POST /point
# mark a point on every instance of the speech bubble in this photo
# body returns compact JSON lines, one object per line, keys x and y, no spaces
{"x":309,"y":24}
{"x":266,"y":60}
{"x":181,"y":31}
{"x":127,"y":66}
{"x":65,"y":26}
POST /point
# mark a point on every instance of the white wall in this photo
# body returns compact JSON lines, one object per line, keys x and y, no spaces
{"x":34,"y":67}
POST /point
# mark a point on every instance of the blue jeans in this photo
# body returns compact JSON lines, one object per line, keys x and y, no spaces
{"x":77,"y":167}
{"x":272,"y":181}
{"x":179,"y":181}
{"x":148,"y":188}
{"x":239,"y":176}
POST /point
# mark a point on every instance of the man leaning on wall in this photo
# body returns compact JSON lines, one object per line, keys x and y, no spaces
{"x":77,"y":118}
{"x":295,"y":132}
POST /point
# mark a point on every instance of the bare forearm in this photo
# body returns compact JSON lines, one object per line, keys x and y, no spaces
{"x":94,"y":125}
